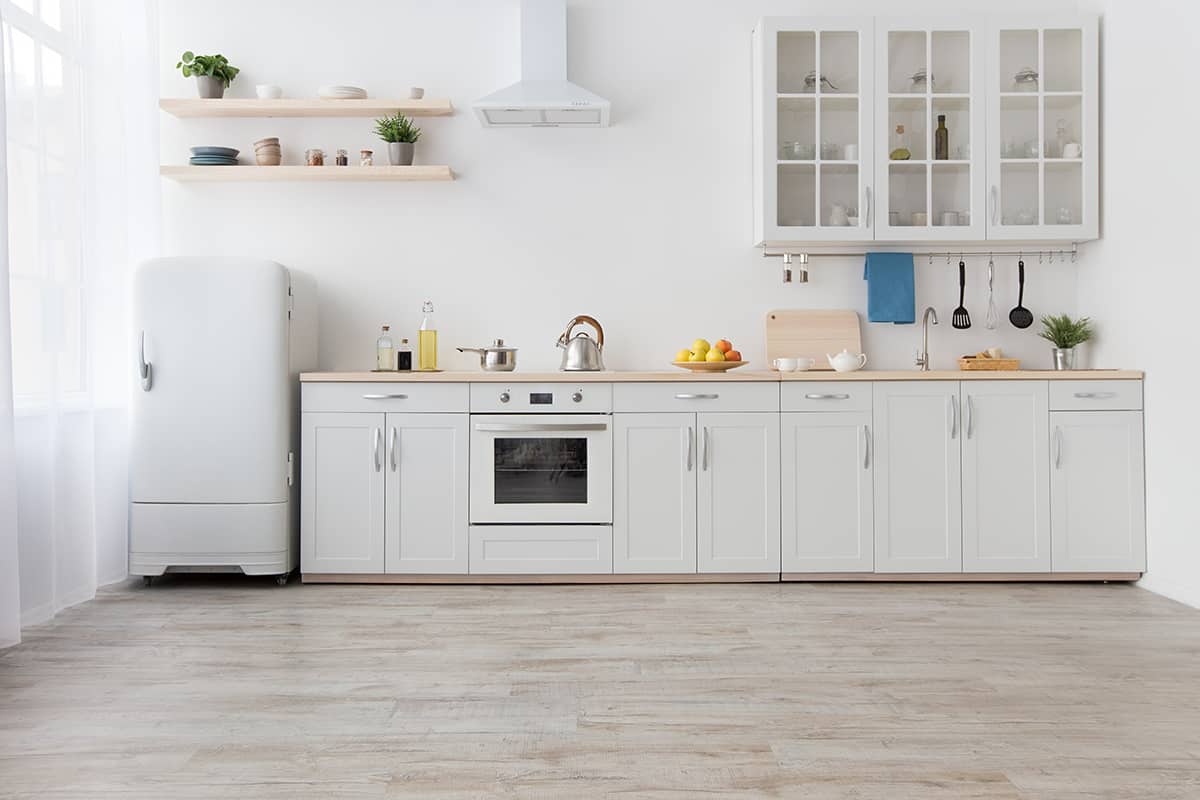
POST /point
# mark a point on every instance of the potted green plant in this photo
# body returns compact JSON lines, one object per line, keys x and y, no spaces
{"x":1065,"y":334}
{"x":213,"y":73}
{"x":401,"y":137}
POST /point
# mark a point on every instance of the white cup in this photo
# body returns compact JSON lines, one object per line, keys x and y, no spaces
{"x":805,"y":364}
{"x":1072,"y":150}
{"x":787,"y":364}
{"x":920,"y":219}
{"x":416,"y":93}
{"x":851,"y":152}
{"x":268,"y":91}
{"x":950,"y":218}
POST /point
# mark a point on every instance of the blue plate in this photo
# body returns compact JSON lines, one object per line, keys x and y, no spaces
{"x":201,"y":163}
{"x":226,"y":152}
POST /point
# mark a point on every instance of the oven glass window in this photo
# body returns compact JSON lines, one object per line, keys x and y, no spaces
{"x":541,"y":471}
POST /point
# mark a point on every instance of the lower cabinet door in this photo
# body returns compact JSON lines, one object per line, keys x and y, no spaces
{"x":654,"y":493}
{"x":341,"y":493}
{"x":738,"y":493}
{"x":918,"y":486}
{"x":827,"y":505}
{"x":1097,"y":491}
{"x":426,"y":509}
{"x":1005,"y":476}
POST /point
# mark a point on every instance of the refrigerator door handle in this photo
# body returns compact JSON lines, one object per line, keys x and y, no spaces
{"x":145,"y":368}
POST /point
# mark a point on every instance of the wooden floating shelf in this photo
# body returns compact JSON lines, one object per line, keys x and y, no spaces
{"x":254,"y":173}
{"x":303,"y":107}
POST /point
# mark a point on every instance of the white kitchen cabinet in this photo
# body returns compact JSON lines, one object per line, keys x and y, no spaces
{"x":654,"y":493}
{"x":1097,"y":491}
{"x":926,"y":68}
{"x":918,"y":477}
{"x":827,"y":494}
{"x":1043,"y":128}
{"x":342,"y":493}
{"x":426,"y":493}
{"x":1005,"y":476}
{"x":738,"y":492}
{"x":812,"y":111}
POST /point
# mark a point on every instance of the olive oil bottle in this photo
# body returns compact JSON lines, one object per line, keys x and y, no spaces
{"x":941,"y":140}
{"x":427,"y":340}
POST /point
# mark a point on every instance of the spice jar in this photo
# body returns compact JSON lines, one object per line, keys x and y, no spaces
{"x":341,"y":159}
{"x":315,"y":157}
{"x":366,"y":158}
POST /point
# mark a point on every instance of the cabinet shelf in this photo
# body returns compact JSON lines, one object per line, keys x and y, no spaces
{"x":814,"y":96}
{"x":254,"y":173}
{"x":303,"y":107}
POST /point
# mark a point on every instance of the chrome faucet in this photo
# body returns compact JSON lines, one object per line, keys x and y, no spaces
{"x":923,"y":356}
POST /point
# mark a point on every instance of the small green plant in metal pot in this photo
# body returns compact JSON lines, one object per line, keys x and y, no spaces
{"x":213,"y":73}
{"x":1065,"y":334}
{"x":401,"y":137}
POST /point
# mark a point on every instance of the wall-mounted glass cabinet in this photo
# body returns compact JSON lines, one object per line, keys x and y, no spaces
{"x":927,"y":130}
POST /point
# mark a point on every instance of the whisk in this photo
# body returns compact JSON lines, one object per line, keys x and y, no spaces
{"x":993,"y":317}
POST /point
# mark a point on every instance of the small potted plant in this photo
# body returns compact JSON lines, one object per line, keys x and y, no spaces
{"x":1065,"y":334}
{"x":401,"y":137}
{"x":213,"y":73}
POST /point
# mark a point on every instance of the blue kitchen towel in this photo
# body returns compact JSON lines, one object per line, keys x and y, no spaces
{"x":890,"y":293}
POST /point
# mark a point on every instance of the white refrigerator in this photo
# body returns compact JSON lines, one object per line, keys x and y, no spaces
{"x":219,"y":345}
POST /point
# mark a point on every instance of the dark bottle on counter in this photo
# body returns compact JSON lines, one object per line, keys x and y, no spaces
{"x":404,"y":357}
{"x":941,"y":140}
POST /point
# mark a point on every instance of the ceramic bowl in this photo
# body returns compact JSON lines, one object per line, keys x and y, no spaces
{"x":268,"y":91}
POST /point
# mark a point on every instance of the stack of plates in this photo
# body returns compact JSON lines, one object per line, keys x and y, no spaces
{"x":213,"y":156}
{"x":342,"y":93}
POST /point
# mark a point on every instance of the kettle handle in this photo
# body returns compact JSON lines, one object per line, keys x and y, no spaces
{"x":590,"y":321}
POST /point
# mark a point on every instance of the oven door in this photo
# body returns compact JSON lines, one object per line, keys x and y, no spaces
{"x":541,"y":468}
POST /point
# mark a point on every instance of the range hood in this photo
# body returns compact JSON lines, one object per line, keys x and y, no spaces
{"x":543,"y":98}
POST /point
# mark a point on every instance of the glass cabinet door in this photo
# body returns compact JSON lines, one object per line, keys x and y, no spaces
{"x":1042,"y":131}
{"x":929,"y":131}
{"x":815,"y":115}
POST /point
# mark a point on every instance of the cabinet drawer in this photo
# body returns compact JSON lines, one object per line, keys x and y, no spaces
{"x":433,"y":397}
{"x":825,"y":396}
{"x":699,"y":396}
{"x":540,"y":549}
{"x":1095,"y":395}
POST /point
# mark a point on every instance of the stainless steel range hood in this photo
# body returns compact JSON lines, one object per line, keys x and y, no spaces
{"x":543,"y":98}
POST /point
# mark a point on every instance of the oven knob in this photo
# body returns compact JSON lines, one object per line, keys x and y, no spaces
{"x":577,"y":397}
{"x":504,"y":397}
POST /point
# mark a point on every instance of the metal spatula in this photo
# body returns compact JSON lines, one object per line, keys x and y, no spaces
{"x":961,"y":319}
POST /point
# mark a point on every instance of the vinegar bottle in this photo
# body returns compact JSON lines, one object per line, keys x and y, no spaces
{"x":384,"y":351}
{"x":427,"y":340}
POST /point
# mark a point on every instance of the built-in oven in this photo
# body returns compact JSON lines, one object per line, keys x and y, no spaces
{"x":541,"y":467}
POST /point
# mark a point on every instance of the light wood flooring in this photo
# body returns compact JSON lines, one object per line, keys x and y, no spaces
{"x":205,"y":687}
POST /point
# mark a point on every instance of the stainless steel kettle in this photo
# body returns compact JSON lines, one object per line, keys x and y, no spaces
{"x":580,"y":352}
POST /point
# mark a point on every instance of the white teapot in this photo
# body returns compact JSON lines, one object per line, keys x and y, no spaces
{"x":846,"y":361}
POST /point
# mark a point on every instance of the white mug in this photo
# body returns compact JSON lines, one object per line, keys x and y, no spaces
{"x":1072,"y":150}
{"x":786,"y":364}
{"x":805,"y":364}
{"x":950,"y":218}
{"x":851,"y":152}
{"x":268,"y":91}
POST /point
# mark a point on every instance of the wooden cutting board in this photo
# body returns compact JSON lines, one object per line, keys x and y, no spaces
{"x":810,"y":333}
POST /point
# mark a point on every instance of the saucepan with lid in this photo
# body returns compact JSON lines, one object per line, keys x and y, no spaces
{"x":497,"y":358}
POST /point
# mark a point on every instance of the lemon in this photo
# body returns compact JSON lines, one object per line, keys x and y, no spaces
{"x":714,"y":355}
{"x":695,"y":357}
{"x":701,"y":346}
{"x":683,"y":355}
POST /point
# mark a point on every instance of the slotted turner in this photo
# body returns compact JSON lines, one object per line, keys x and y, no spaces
{"x":1021,"y":317}
{"x":961,"y":319}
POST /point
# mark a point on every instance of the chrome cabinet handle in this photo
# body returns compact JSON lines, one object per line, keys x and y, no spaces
{"x":866,"y":437}
{"x":704,"y":451}
{"x":544,"y":427}
{"x":970,"y":416}
{"x":145,"y":368}
{"x":994,"y":198}
{"x":697,"y":396}
{"x":826,"y":397}
{"x":691,"y":440}
{"x":375,"y":450}
{"x":1058,"y":447}
{"x":392,"y":448}
{"x":385,"y":397}
{"x":1095,"y":395}
{"x":867,"y":216}
{"x":953,"y":417}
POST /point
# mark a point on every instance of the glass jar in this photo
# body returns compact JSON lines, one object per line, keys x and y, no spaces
{"x":366,"y":158}
{"x":314,"y":157}
{"x":342,"y":159}
{"x":1026,"y":80}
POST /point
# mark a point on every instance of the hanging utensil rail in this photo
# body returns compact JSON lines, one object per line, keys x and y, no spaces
{"x":1046,"y":255}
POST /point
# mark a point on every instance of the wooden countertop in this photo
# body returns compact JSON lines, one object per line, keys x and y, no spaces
{"x":735,"y":376}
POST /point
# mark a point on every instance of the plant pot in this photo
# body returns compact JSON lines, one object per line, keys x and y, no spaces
{"x":210,"y":87}
{"x":1064,"y":358}
{"x":400,"y":154}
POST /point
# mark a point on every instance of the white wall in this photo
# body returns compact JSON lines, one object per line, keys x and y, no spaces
{"x":1143,"y":283}
{"x":645,"y":225}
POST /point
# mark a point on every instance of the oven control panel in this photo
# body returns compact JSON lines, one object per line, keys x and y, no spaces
{"x":545,"y":398}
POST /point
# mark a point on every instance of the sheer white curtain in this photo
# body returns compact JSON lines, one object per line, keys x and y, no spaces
{"x":81,"y":88}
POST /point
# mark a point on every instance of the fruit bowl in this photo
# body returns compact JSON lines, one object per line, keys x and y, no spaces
{"x":710,"y":366}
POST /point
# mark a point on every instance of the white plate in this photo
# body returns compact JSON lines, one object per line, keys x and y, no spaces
{"x":342,"y":92}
